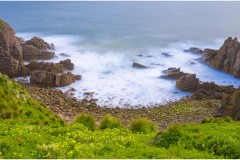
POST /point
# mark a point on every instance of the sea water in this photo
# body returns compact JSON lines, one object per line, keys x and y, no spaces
{"x":103,"y":39}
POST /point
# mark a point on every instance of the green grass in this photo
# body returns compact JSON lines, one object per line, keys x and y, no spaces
{"x":29,"y":130}
{"x":2,"y":25}
{"x":86,"y":120}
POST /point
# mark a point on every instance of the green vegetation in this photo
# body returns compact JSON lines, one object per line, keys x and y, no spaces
{"x":2,"y":25}
{"x":142,"y":125}
{"x":29,"y":130}
{"x":110,"y":122}
{"x":86,"y":120}
{"x":16,"y":104}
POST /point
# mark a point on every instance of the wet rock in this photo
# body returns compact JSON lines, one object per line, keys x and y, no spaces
{"x":138,"y":65}
{"x":88,"y":93}
{"x":52,"y":79}
{"x":45,"y":66}
{"x":188,"y":82}
{"x":166,"y":54}
{"x":173,"y":73}
{"x":227,"y":58}
{"x":194,"y":50}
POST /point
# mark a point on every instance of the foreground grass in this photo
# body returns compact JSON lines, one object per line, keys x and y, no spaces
{"x":209,"y":140}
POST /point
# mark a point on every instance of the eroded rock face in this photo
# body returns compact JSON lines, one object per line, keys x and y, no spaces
{"x":173,"y":73}
{"x":230,"y":105}
{"x":51,"y":79}
{"x":227,"y":58}
{"x":11,"y":52}
{"x":188,"y":82}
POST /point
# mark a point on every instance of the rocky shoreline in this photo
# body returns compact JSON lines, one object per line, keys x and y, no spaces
{"x":208,"y":98}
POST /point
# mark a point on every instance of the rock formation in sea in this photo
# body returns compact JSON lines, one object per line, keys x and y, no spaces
{"x":227,"y":58}
{"x":188,"y":82}
{"x":14,"y":50}
{"x":173,"y":73}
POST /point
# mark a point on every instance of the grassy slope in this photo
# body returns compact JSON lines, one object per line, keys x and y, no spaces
{"x":32,"y":131}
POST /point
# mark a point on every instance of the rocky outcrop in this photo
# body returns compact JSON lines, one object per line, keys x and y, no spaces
{"x":32,"y":53}
{"x":227,"y":58}
{"x":46,"y":66}
{"x":188,"y":82}
{"x":40,"y":44}
{"x":11,"y":53}
{"x":50,"y":66}
{"x":230,"y":106}
{"x":51,"y":79}
{"x":138,"y":65}
{"x":173,"y":73}
{"x":67,"y":64}
{"x":210,"y":90}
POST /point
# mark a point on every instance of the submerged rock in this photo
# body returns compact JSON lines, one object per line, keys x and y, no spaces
{"x":227,"y":58}
{"x":194,"y":50}
{"x":138,"y":65}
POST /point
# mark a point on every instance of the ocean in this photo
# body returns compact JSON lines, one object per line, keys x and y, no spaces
{"x":103,"y":39}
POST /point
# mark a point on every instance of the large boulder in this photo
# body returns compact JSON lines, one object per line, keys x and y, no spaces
{"x":188,"y":82}
{"x":227,"y":58}
{"x":32,"y":53}
{"x":40,"y":44}
{"x":173,"y":73}
{"x":51,"y":79}
{"x":50,"y":66}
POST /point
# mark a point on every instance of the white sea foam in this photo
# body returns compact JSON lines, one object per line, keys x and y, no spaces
{"x":109,"y":74}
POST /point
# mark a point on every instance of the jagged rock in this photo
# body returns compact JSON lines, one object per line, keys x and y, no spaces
{"x":227,"y":58}
{"x":51,"y":79}
{"x":11,"y":53}
{"x":67,"y":64}
{"x":32,"y":53}
{"x":188,"y":82}
{"x":230,"y":106}
{"x":194,"y":50}
{"x":40,"y":44}
{"x":173,"y":73}
{"x":138,"y":65}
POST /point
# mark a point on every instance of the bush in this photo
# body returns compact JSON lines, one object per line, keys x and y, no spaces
{"x":167,"y":138}
{"x":142,"y":125}
{"x":110,"y":122}
{"x":86,"y":120}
